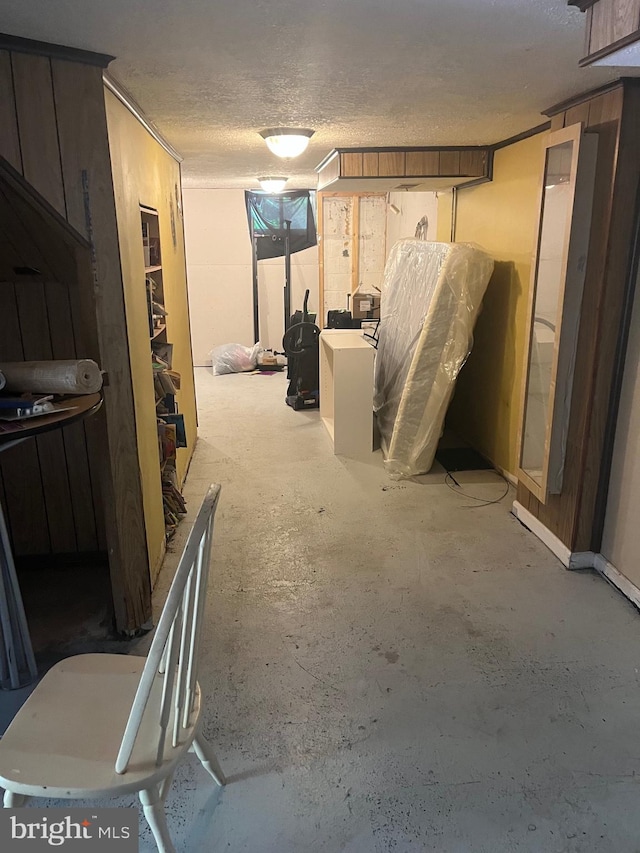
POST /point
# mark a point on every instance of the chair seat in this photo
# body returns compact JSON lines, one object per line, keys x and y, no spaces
{"x":64,"y":740}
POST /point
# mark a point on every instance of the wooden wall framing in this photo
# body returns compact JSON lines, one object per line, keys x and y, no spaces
{"x":354,"y":240}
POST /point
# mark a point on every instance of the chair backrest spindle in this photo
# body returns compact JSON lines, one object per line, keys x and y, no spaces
{"x":176,"y":642}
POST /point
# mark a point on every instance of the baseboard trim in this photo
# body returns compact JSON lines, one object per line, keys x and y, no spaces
{"x":609,"y":571}
{"x":577,"y":559}
{"x":544,"y":535}
{"x":509,"y":477}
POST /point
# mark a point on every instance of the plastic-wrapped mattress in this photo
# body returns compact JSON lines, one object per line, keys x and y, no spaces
{"x":431,"y":297}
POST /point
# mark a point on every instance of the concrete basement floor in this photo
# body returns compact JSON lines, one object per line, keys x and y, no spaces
{"x":386,"y":668}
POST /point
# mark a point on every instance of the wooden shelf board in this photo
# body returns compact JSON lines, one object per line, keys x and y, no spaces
{"x":153,"y":269}
{"x":158,"y":331}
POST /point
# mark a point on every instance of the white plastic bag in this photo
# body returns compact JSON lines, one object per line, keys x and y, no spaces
{"x":233,"y":358}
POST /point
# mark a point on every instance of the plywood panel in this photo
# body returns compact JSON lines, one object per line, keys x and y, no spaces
{"x":37,"y":126}
{"x":449,"y":162}
{"x":9,"y":141}
{"x":500,"y":216}
{"x":145,"y":172}
{"x":351,"y":165}
{"x":391,"y":163}
{"x":419,"y":163}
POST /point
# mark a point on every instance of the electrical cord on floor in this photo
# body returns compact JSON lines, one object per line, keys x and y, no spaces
{"x":481,"y":501}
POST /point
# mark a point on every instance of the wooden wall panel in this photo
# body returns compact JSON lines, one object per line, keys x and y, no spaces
{"x":577,"y":114}
{"x":612,"y":20}
{"x":85,"y":156}
{"x":403,"y":163}
{"x":26,"y":512}
{"x":78,"y":488}
{"x":422,"y":163}
{"x":557,"y":122}
{"x":60,"y":489}
{"x":370,"y":164}
{"x":391,"y":163}
{"x":37,"y":127}
{"x":615,"y":117}
{"x":35,"y":327}
{"x":449,"y":162}
{"x":610,"y":311}
{"x":351,"y":165}
{"x":38,"y":131}
{"x":9,"y":140}
{"x":473,"y":163}
{"x":83,"y":487}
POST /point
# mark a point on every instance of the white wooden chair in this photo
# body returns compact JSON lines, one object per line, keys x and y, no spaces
{"x":102,"y":725}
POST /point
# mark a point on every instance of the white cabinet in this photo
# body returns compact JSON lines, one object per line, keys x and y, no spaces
{"x":346,"y":391}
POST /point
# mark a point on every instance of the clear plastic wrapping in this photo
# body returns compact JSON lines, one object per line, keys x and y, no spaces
{"x":431,"y":297}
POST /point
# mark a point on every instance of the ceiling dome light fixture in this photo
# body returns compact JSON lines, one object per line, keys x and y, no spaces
{"x":287,"y":142}
{"x":272,"y":184}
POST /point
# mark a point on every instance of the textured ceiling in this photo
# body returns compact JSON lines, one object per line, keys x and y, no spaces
{"x":211,"y":73}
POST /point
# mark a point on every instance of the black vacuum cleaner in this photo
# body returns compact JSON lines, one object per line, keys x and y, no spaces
{"x":301,"y":344}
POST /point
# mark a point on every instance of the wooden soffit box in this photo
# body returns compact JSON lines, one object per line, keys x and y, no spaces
{"x":612,"y":32}
{"x":413,"y":169}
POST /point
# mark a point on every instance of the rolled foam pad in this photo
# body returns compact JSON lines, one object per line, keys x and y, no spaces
{"x":80,"y":376}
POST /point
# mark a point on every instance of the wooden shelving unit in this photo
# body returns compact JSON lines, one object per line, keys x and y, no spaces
{"x":166,"y":381}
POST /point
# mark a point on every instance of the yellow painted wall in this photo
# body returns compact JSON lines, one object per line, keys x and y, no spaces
{"x":144,"y":173}
{"x":501,"y":217}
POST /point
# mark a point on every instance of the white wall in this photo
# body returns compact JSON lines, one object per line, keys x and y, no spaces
{"x":220,"y":277}
{"x":412,"y":207}
{"x":621,"y":540}
{"x":219,"y":267}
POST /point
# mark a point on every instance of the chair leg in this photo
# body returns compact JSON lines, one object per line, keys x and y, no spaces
{"x":153,"y":808}
{"x":208,"y":759}
{"x":165,"y":785}
{"x":14,"y":801}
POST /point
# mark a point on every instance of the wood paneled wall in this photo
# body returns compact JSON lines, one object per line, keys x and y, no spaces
{"x":611,"y":25}
{"x":423,"y":163}
{"x":50,"y":496}
{"x":615,"y":116}
{"x":78,"y":489}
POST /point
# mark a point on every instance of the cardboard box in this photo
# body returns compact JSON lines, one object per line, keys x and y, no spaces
{"x":365,"y":306}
